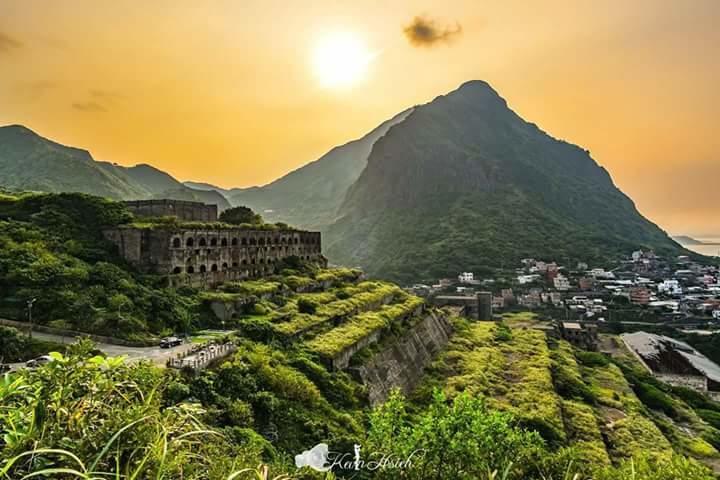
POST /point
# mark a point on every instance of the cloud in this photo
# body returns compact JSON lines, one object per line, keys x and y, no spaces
{"x":425,"y":32}
{"x":8,"y":43}
{"x":89,"y":107}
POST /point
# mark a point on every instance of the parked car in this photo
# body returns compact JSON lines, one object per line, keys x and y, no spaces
{"x":169,"y":342}
{"x":39,"y":361}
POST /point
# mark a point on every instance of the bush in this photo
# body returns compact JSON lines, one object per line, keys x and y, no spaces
{"x":306,"y":305}
{"x":592,"y":359}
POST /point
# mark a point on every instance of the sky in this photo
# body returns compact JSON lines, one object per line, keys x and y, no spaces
{"x":229,"y":92}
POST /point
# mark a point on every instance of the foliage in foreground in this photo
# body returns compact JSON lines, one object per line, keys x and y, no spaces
{"x":82,"y":416}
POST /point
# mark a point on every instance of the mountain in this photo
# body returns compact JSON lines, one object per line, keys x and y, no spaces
{"x":31,"y":162}
{"x":685,"y":240}
{"x":204,"y":196}
{"x":309,"y":196}
{"x":463,"y":183}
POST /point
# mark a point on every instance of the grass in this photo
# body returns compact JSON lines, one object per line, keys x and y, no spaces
{"x":371,"y":294}
{"x":513,"y":373}
{"x":360,"y":326}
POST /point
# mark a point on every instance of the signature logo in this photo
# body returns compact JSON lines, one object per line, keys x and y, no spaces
{"x":315,"y":458}
{"x":321,"y":459}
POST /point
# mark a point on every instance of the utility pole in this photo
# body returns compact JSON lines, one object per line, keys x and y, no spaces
{"x":30,"y":319}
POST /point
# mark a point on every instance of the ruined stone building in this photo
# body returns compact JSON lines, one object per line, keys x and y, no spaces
{"x":581,"y":335}
{"x":213,"y":253}
{"x":181,"y":209}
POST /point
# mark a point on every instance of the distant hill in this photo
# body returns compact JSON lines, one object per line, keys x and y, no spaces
{"x":31,"y":162}
{"x":310,"y":196}
{"x":204,"y":196}
{"x":463,"y":183}
{"x":685,"y":240}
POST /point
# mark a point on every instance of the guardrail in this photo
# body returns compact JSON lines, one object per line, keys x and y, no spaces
{"x":198,"y":358}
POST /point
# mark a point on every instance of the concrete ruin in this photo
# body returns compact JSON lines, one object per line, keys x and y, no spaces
{"x":675,"y":362}
{"x":180,"y":209}
{"x":212,"y":255}
{"x":402,"y":364}
{"x":477,"y":307}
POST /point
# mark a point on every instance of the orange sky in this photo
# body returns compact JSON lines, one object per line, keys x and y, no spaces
{"x":224,"y":91}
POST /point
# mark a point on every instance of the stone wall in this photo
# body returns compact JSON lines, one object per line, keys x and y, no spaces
{"x":181,"y":209}
{"x":402,"y":364}
{"x":209,"y":256}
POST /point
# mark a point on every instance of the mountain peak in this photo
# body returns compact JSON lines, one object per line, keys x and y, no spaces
{"x":17,"y":128}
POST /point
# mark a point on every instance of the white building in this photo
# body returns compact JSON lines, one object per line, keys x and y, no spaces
{"x":601,"y":274}
{"x":561,"y":283}
{"x":466,"y":277}
{"x":670,"y":287}
{"x":524,"y":279}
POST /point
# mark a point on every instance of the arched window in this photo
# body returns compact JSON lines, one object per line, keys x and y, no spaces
{"x":203,"y":269}
{"x":190,"y":242}
{"x":233,"y":242}
{"x":202,"y":242}
{"x":262,"y":241}
{"x":190,"y":269}
{"x":223,"y":242}
{"x":224,"y":266}
{"x":177,"y":270}
{"x":176,"y":242}
{"x":235,"y":264}
{"x":244,"y":241}
{"x":213,"y":267}
{"x":244,"y":261}
{"x":213,"y":242}
{"x":253,"y":241}
{"x":296,"y":240}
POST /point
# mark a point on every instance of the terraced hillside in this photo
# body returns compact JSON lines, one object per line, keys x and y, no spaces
{"x":298,"y":334}
{"x":602,"y":409}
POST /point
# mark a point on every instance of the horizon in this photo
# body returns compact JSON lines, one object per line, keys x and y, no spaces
{"x":241,"y":107}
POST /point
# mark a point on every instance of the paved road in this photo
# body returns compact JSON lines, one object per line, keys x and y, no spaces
{"x":156,"y":355}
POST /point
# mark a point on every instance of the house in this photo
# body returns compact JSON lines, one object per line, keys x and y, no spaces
{"x":639,"y":296}
{"x":525,"y":279}
{"x":466,"y":277}
{"x":561,"y":283}
{"x":580,"y":335}
{"x":670,"y":287}
{"x":585,"y":283}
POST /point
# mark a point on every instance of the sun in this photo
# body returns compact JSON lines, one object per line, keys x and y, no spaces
{"x":340,"y":60}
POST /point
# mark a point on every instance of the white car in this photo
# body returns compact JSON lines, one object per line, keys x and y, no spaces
{"x":39,"y":361}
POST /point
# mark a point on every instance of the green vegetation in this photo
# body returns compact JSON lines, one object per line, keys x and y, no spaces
{"x":52,"y":249}
{"x":15,"y":347}
{"x":239,"y":215}
{"x":366,"y":295}
{"x":361,"y":326}
{"x":82,"y":416}
{"x":512,"y":373}
{"x":474,"y":161}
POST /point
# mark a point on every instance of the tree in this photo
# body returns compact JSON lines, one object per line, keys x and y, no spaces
{"x":461,"y":439}
{"x":240,"y":215}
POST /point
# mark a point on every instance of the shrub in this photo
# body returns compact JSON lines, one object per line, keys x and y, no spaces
{"x":592,"y":359}
{"x":307,"y":306}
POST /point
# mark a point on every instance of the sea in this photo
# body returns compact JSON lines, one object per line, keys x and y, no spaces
{"x":711,"y":249}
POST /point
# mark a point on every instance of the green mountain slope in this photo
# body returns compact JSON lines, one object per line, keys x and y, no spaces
{"x":464,"y":183}
{"x":31,"y":162}
{"x":309,"y":196}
